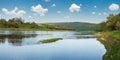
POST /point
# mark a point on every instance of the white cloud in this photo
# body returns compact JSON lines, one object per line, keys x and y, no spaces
{"x":67,"y":17}
{"x":114,"y":7}
{"x":95,"y":6}
{"x":58,"y":12}
{"x":15,"y":12}
{"x":93,"y":12}
{"x":47,"y":0}
{"x":21,"y":13}
{"x":39,"y":10}
{"x":30,"y":17}
{"x":74,"y":7}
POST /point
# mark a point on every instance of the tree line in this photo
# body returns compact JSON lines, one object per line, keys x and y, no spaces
{"x":112,"y":23}
{"x":17,"y":23}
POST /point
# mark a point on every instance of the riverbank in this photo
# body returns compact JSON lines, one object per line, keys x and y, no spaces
{"x":32,"y":29}
{"x":111,"y":41}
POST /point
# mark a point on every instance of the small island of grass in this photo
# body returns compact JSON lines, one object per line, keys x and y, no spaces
{"x":50,"y":40}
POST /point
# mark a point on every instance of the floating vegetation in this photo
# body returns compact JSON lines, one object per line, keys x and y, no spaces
{"x":50,"y":40}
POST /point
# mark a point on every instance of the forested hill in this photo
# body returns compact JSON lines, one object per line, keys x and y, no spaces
{"x":18,"y":23}
{"x":78,"y":26}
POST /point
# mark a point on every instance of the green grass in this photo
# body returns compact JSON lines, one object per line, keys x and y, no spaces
{"x":113,"y":50}
{"x":34,"y":29}
{"x":50,"y":40}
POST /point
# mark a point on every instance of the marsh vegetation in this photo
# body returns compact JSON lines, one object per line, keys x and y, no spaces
{"x":50,"y":40}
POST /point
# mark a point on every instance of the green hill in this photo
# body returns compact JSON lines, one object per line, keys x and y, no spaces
{"x":78,"y":26}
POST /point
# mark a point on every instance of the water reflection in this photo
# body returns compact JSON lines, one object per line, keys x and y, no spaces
{"x":15,"y":38}
{"x":22,"y":45}
{"x":19,"y":38}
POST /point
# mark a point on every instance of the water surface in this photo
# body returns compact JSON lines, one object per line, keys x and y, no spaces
{"x":23,"y":45}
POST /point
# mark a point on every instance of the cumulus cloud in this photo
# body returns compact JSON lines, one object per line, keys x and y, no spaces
{"x":30,"y":17}
{"x":74,"y":8}
{"x":15,"y":12}
{"x":47,"y":0}
{"x":53,"y":5}
{"x":114,"y":7}
{"x":39,"y":10}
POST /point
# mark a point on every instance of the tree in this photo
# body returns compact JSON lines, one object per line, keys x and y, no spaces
{"x":112,"y":23}
{"x":102,"y":26}
{"x":3,"y":23}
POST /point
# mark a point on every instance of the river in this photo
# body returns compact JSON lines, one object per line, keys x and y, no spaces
{"x":23,"y":45}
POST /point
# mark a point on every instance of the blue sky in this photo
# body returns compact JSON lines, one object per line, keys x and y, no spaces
{"x":45,"y":11}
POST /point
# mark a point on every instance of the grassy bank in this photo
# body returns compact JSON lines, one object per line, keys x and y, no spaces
{"x":50,"y":40}
{"x":33,"y":29}
{"x":111,"y":41}
{"x":19,"y":24}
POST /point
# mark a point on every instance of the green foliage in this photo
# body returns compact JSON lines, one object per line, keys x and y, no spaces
{"x":113,"y":50}
{"x":16,"y":23}
{"x":112,"y":23}
{"x":78,"y":26}
{"x":3,"y":23}
{"x":50,"y":40}
{"x":54,"y":27}
{"x":112,"y":26}
{"x":19,"y":24}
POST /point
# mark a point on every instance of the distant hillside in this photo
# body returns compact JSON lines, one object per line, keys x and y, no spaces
{"x":78,"y":26}
{"x":19,"y":24}
{"x":53,"y":27}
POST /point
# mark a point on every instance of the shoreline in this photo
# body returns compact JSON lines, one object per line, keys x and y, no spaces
{"x":28,"y":29}
{"x":111,"y":42}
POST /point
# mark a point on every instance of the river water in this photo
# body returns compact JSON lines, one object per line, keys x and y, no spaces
{"x":24,"y":45}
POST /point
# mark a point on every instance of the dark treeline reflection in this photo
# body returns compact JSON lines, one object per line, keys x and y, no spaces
{"x":15,"y":38}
